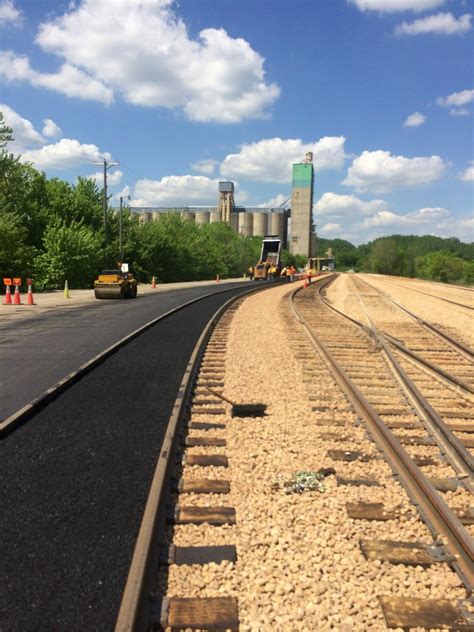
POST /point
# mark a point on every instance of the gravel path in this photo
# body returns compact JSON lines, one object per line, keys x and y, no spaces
{"x":299,"y":564}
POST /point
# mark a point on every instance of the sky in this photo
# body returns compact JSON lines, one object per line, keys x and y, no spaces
{"x":185,"y":94}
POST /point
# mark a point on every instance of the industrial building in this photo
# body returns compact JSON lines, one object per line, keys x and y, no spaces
{"x":258,"y":221}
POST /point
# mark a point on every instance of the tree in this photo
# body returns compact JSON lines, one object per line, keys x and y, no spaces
{"x":16,"y":257}
{"x":5,"y":132}
{"x":71,"y":252}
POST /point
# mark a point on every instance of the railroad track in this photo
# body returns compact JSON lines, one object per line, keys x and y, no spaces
{"x":396,"y":414}
{"x":76,"y":472}
{"x":417,"y":290}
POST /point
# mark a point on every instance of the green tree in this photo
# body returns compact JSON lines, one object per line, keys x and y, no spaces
{"x":16,"y":257}
{"x":6,"y":133}
{"x":71,"y":252}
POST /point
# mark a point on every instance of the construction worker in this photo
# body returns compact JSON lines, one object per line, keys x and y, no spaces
{"x":292,"y":273}
{"x":283,"y":272}
{"x":250,"y":272}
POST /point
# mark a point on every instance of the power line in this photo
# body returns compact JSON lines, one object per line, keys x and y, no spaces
{"x":107,"y":165}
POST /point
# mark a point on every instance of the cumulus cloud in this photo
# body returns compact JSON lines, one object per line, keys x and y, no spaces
{"x":69,"y":80}
{"x":24,"y":133}
{"x":331,"y":229}
{"x":379,"y":171}
{"x":271,"y":160}
{"x":279,"y":201}
{"x":9,"y":14}
{"x":456,"y":99}
{"x":50,"y":129}
{"x":143,"y":51}
{"x":439,"y":24}
{"x":65,"y":154}
{"x":346,"y":205}
{"x":392,"y":6}
{"x":205,"y":166}
{"x":414,"y":120}
{"x":421,"y":216}
{"x":113,"y":177}
{"x":460,"y":112}
{"x":176,"y":191}
{"x":468,"y":174}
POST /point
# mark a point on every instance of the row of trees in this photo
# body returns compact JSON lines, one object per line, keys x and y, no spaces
{"x":52,"y":231}
{"x":426,"y":257}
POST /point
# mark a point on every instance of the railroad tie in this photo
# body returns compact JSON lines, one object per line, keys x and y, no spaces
{"x":408,"y":613}
{"x":212,"y":613}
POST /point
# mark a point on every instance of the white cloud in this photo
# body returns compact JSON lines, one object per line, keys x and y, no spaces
{"x":456,"y":99}
{"x":271,"y":160}
{"x":468,"y":175}
{"x":440,"y":24}
{"x":279,"y":201}
{"x":460,"y":112}
{"x":50,"y":129}
{"x":379,"y":171}
{"x":65,"y":154}
{"x":421,"y":216}
{"x":9,"y":14}
{"x":333,"y":229}
{"x":113,"y":177}
{"x":205,"y":166}
{"x":143,"y":51}
{"x":414,"y":120}
{"x":346,"y":205}
{"x":24,"y":133}
{"x":69,"y":80}
{"x":176,"y":191}
{"x":392,"y":6}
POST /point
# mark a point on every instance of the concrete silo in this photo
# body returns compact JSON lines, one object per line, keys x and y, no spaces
{"x":260,"y":224}
{"x":202,"y":217}
{"x":188,"y":215}
{"x":246,"y":224}
{"x":215,"y":216}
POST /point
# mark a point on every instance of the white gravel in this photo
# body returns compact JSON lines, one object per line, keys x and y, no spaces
{"x":299,"y":562}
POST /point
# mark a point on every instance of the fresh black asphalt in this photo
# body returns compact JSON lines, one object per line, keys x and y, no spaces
{"x":37,"y":352}
{"x":74,"y":481}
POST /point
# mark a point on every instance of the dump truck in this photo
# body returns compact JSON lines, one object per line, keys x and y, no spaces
{"x":115,"y":284}
{"x":270,"y":255}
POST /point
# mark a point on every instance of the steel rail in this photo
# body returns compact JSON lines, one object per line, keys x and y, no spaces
{"x":459,"y":346}
{"x":442,"y":522}
{"x":447,"y":300}
{"x":134,"y":610}
{"x":28,"y":410}
{"x":399,"y":344}
{"x":460,"y":458}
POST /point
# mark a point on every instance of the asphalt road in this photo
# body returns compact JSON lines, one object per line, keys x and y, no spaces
{"x":74,"y":479}
{"x":37,"y":352}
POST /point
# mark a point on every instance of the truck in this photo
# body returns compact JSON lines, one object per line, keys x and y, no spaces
{"x":269,"y":256}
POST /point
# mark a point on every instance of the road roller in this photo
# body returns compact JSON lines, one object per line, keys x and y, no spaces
{"x":115,"y":284}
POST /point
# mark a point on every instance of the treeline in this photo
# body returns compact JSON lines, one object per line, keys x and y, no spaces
{"x":426,"y":257}
{"x":51,"y":231}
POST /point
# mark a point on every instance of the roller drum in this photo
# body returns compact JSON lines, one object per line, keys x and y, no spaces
{"x":109,"y":292}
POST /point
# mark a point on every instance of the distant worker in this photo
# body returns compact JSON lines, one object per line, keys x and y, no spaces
{"x":292,"y":273}
{"x":283,"y":272}
{"x":250,"y":272}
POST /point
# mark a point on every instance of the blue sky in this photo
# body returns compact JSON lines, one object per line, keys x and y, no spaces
{"x":185,"y":94}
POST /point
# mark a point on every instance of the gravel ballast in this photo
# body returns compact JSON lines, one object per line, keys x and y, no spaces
{"x":299,"y":564}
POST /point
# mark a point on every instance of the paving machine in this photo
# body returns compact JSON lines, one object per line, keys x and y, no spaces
{"x":115,"y":284}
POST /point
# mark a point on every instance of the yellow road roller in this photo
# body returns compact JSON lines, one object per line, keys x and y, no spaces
{"x":115,"y":284}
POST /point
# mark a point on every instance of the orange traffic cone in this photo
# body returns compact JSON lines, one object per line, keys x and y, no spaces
{"x":153,"y":282}
{"x":8,"y":297}
{"x":29,"y":299}
{"x":16,"y":296}
{"x":218,"y":279}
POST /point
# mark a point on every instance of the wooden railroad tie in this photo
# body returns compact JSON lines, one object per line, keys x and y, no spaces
{"x":204,"y":515}
{"x":187,"y":555}
{"x":203,"y":486}
{"x":408,"y":613}
{"x":348,"y":455}
{"x":205,"y":460}
{"x":369,"y":511}
{"x":206,"y":425}
{"x":358,"y":482}
{"x":212,"y":613}
{"x":210,"y":442}
{"x":403,"y":552}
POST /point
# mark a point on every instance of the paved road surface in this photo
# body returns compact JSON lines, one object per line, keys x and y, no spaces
{"x":37,"y":351}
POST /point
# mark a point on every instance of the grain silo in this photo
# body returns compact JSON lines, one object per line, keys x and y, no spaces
{"x":302,"y":240}
{"x":260,"y":224}
{"x":145,"y":216}
{"x":234,"y":221}
{"x":246,"y":224}
{"x":202,"y":217}
{"x":188,"y":215}
{"x":215,"y":216}
{"x":156,"y":216}
{"x":276,"y":224}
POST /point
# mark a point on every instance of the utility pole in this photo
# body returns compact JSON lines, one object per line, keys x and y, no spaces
{"x":107,"y":165}
{"x":120,"y":227}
